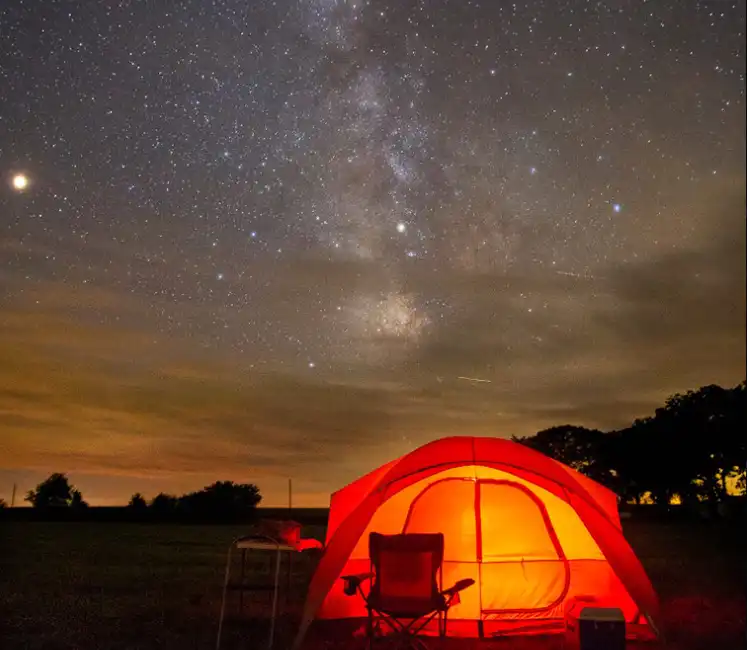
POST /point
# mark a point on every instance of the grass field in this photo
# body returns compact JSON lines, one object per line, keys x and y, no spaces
{"x":116,"y":586}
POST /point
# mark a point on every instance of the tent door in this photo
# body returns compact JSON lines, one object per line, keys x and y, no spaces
{"x":522,"y":566}
{"x":447,"y":506}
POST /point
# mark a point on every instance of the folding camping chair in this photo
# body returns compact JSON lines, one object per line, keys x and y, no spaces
{"x":406,"y":589}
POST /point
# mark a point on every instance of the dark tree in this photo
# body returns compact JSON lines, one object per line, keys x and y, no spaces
{"x":164,"y":504}
{"x":693,"y":447}
{"x":727,"y":448}
{"x":138,"y":502}
{"x":3,"y":504}
{"x":222,"y":500}
{"x":704,"y":444}
{"x":76,"y":500}
{"x":55,"y":492}
{"x":630,"y":473}
{"x":642,"y":462}
{"x":578,"y":447}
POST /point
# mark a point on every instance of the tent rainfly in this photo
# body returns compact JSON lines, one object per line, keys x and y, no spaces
{"x":535,"y":535}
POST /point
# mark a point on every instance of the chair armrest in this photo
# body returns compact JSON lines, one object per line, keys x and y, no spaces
{"x":353,"y":582}
{"x":461,"y":585}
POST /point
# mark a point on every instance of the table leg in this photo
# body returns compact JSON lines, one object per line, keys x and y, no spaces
{"x":223,"y":599}
{"x":241,"y":580}
{"x":274,"y":601}
{"x":290,"y":579}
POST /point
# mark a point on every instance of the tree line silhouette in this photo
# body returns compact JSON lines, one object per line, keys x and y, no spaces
{"x":223,"y":500}
{"x":691,"y":450}
{"x":220,"y":501}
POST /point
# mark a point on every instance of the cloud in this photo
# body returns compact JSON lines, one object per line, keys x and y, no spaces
{"x":89,"y":385}
{"x":114,"y":402}
{"x":603,"y":348}
{"x":686,"y":308}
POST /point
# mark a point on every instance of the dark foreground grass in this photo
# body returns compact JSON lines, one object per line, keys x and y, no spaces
{"x":117,"y":586}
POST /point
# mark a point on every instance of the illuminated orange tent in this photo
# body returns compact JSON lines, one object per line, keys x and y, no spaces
{"x":535,"y":535}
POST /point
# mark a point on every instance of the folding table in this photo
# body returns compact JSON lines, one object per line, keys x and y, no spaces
{"x":255,"y":543}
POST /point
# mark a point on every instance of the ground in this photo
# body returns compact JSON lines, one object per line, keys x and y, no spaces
{"x":140,"y":586}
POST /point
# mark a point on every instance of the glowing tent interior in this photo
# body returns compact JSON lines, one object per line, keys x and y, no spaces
{"x":535,"y":535}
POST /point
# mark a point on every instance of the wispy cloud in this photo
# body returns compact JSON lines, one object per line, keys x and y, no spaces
{"x":88,"y":385}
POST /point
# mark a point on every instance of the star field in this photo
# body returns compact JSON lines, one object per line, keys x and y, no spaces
{"x":336,"y":208}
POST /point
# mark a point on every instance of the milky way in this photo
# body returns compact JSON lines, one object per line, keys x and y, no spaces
{"x":369,"y":196}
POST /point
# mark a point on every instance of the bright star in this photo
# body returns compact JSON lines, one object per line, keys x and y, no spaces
{"x":616,"y":207}
{"x":20,"y":182}
{"x":401,"y":227}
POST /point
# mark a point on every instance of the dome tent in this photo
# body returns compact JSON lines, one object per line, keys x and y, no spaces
{"x":534,"y":535}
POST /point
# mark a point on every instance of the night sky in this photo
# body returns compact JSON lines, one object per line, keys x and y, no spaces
{"x":258,"y":240}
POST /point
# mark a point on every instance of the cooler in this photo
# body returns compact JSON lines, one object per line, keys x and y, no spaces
{"x":594,"y":628}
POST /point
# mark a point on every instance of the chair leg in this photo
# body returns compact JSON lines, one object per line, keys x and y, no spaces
{"x":411,"y":642}
{"x":420,"y":644}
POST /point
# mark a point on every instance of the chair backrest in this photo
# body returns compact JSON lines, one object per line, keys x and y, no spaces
{"x":406,"y":566}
